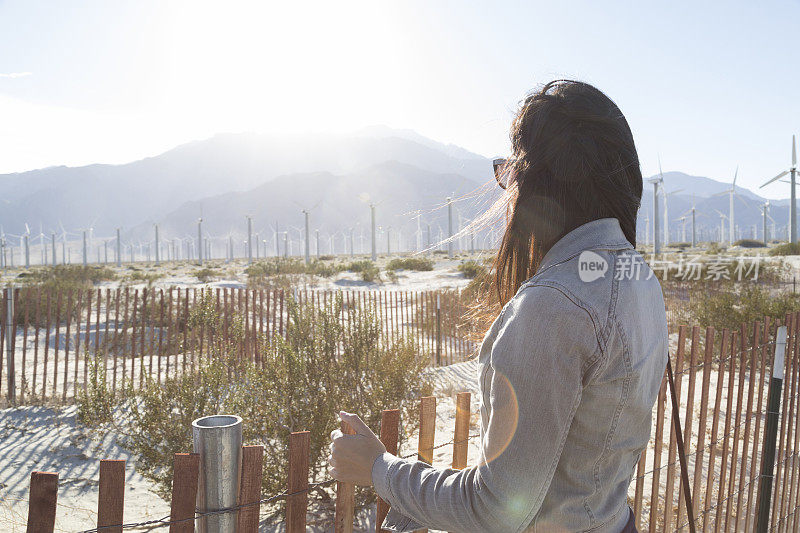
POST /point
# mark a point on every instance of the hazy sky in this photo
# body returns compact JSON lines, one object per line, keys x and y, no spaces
{"x":706,"y":85}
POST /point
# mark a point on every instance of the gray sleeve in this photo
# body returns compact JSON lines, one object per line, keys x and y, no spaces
{"x":537,"y":359}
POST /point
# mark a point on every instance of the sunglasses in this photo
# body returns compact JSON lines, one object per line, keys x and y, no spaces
{"x":502,"y":172}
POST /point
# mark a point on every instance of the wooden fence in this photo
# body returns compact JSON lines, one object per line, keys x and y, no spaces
{"x":43,"y":495}
{"x":54,"y":337}
{"x":723,"y":381}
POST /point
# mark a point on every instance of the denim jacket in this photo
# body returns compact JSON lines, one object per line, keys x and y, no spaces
{"x":569,"y":374}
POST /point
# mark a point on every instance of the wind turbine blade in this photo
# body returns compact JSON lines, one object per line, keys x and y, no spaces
{"x":660,"y":174}
{"x":735,"y":175}
{"x":794,"y":153}
{"x":779,"y":176}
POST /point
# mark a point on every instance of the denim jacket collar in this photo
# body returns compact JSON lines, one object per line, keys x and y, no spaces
{"x":601,"y":234}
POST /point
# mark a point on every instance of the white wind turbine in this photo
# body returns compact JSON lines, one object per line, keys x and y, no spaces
{"x":722,"y":218}
{"x":666,"y":196}
{"x":694,"y":213}
{"x":656,"y":182}
{"x":731,"y":219}
{"x":682,"y":220}
{"x":793,"y":205}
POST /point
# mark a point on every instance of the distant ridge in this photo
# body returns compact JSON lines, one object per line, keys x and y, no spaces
{"x":232,"y":175}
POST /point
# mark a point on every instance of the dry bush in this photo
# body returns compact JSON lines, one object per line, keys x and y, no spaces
{"x":64,"y":280}
{"x":328,"y":361}
{"x":368,"y":270}
{"x":789,"y":248}
{"x":471,"y":269}
{"x":204,"y":275}
{"x":732,"y":304}
{"x":410,"y":263}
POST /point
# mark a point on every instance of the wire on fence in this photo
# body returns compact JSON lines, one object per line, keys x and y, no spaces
{"x":706,"y":447}
{"x":165,"y":521}
{"x":720,"y":502}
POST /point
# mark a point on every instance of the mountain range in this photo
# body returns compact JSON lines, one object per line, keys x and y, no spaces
{"x":335,"y":178}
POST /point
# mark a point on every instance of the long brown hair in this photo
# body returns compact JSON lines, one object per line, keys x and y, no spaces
{"x":573,"y":161}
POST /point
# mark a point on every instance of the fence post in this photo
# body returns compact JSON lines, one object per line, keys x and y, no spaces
{"x":250,"y":489}
{"x":111,"y":498}
{"x":427,"y":429}
{"x":461,"y":431}
{"x":345,"y":498}
{"x":186,"y":470}
{"x":11,"y":334}
{"x":297,"y":505}
{"x":390,"y":420}
{"x":42,"y":502}
{"x":771,"y":432}
{"x":438,"y":331}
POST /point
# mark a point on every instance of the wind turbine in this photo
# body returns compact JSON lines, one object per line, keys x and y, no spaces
{"x":694,"y":213}
{"x":2,"y":248}
{"x":765,"y":210}
{"x":722,"y":218}
{"x":656,"y":182}
{"x":682,"y":220}
{"x":666,"y":196}
{"x":374,"y":251}
{"x":793,"y":205}
{"x":27,"y":241}
{"x":731,"y":220}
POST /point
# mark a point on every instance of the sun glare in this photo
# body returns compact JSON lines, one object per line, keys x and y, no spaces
{"x":272,"y":67}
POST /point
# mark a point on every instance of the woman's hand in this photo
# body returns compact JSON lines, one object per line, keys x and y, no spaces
{"x":352,"y":456}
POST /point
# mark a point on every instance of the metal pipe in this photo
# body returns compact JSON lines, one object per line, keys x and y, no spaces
{"x":218,"y":440}
{"x":771,"y":432}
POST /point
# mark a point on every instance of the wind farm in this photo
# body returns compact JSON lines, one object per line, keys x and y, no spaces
{"x":290,"y":267}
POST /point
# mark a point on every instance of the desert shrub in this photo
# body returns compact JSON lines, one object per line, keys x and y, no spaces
{"x":749,"y":243}
{"x":368,"y":270}
{"x":323,"y":269}
{"x":371,"y":274}
{"x":358,"y":266}
{"x":731,"y":304}
{"x":701,"y":269}
{"x":470,"y":269}
{"x":410,"y":263}
{"x":204,"y":275}
{"x":274,"y":267}
{"x":276,"y":274}
{"x":391,"y":275}
{"x":714,"y":248}
{"x":681,"y":245}
{"x":285,"y":274}
{"x":321,"y":366}
{"x":789,"y":248}
{"x":139,"y":276}
{"x":60,"y":284}
{"x":96,"y":403}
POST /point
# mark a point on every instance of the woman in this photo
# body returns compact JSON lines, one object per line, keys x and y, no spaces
{"x":570,"y":369}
